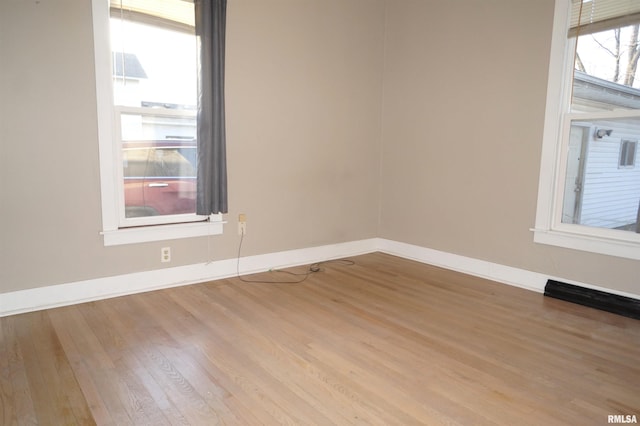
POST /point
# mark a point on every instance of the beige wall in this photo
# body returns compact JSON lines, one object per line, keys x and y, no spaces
{"x":304,"y":82}
{"x":464,"y":98}
{"x":421,"y":125}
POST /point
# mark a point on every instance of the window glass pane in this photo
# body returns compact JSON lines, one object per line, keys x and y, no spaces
{"x":597,"y":191}
{"x":160,"y":65}
{"x":159,"y":164}
{"x":155,"y":72}
{"x":605,"y":76}
{"x":628,"y":153}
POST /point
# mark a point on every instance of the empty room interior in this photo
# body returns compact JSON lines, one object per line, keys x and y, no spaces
{"x":393,"y":222}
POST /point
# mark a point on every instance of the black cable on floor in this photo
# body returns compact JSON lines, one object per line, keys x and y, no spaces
{"x":298,"y":277}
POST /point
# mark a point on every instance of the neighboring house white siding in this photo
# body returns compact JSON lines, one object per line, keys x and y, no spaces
{"x":611,"y":193}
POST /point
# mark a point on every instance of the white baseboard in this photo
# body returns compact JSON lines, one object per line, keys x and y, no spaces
{"x":103,"y":288}
{"x":467,"y":265}
{"x":121,"y":285}
{"x":517,"y":277}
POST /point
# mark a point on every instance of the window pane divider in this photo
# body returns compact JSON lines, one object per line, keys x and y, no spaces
{"x":599,"y":115}
{"x":165,"y":112}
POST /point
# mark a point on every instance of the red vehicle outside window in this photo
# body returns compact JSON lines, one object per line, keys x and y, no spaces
{"x":159,"y":177}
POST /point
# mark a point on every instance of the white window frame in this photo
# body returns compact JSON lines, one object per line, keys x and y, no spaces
{"x":112,"y":232}
{"x":549,"y":228}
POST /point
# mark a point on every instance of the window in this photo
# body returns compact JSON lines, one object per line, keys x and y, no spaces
{"x":154,"y":95}
{"x":628,"y":154}
{"x":589,"y":193}
{"x":146,"y":77}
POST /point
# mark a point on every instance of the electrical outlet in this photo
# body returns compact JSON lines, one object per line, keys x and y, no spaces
{"x":165,"y":254}
{"x":242,"y":224}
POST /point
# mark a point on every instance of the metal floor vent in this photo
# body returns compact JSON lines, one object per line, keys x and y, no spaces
{"x":614,"y":303}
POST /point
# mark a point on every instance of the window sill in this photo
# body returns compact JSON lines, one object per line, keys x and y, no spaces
{"x":143,"y":234}
{"x":628,"y":247}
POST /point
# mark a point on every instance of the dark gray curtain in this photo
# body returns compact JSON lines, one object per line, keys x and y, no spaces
{"x":211,"y":195}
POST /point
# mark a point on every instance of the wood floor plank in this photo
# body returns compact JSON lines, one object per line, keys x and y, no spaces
{"x":283,"y":347}
{"x":139,"y":398}
{"x":246,"y":363}
{"x":17,"y":403}
{"x":382,"y":342}
{"x":93,"y":368}
{"x":314,"y":321}
{"x":147,"y":345}
{"x":359,"y":355}
{"x":203,"y":383}
{"x":56,"y":394}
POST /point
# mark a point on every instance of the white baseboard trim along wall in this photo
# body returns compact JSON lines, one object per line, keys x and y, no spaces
{"x":517,"y":277}
{"x":467,"y":265}
{"x":103,"y":288}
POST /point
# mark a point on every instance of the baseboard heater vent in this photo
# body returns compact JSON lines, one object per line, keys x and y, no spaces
{"x":614,"y":303}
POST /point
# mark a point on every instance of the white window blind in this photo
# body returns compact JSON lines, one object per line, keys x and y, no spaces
{"x":591,"y":16}
{"x":173,"y":13}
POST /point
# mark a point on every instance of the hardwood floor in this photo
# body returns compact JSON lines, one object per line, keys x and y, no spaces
{"x":386,"y":341}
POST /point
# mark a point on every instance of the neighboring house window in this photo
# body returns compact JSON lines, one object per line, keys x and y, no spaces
{"x":628,"y":154}
{"x":587,"y":199}
{"x":148,"y":134}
